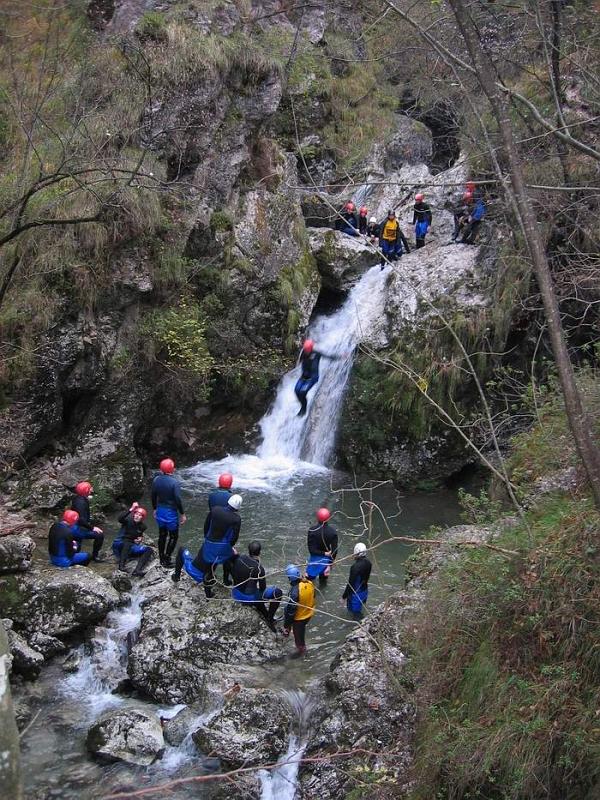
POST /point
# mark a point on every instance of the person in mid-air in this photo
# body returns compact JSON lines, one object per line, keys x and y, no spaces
{"x":129,"y":542}
{"x":309,"y":363}
{"x":168,"y":510}
{"x":322,"y":542}
{"x":421,"y":219}
{"x":86,"y":528}
{"x":357,"y":588}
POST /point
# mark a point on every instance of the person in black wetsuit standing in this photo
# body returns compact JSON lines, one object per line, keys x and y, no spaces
{"x":250,"y":584}
{"x":357,"y":588}
{"x":322,"y":541}
{"x":168,"y":510}
{"x":220,"y":497}
{"x":309,"y":363}
{"x":85,"y":527}
{"x":219,"y":543}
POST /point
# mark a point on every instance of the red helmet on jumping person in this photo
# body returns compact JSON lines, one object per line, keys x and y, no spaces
{"x":419,"y":197}
{"x":323,"y":514}
{"x":308,"y":346}
{"x":349,"y":206}
{"x":167,"y":465}
{"x":363,"y":211}
{"x":83,"y":489}
{"x":225,"y":480}
{"x":70,"y":517}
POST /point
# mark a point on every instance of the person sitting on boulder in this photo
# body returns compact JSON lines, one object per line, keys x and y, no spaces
{"x":461,"y":214}
{"x":357,"y":588}
{"x":372,"y":232}
{"x":86,"y":528}
{"x":194,"y":567}
{"x":62,"y":547}
{"x":300,"y":607}
{"x":347,"y":222}
{"x":391,"y":239}
{"x":168,"y":510}
{"x":250,"y":584}
{"x":473,"y":221}
{"x":130,"y":540}
{"x":422,"y":219}
{"x":220,"y":497}
{"x":362,"y":220}
{"x":322,"y":541}
{"x":309,"y":362}
{"x":223,"y":533}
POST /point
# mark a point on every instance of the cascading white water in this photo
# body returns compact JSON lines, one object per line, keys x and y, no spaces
{"x":281,"y":782}
{"x":312,"y":438}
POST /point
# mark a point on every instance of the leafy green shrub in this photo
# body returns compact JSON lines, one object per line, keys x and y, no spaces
{"x":221,"y":221}
{"x":152,"y":25}
{"x":478,"y":510}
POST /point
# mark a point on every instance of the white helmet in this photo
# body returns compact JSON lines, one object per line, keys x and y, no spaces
{"x":360,"y":549}
{"x":235,"y":502}
{"x":373,"y":219}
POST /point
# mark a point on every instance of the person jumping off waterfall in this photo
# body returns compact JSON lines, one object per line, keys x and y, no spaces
{"x":168,"y":510}
{"x":309,"y":362}
{"x":322,"y":542}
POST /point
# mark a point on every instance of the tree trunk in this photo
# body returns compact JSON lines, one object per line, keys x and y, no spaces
{"x":10,"y":762}
{"x":579,"y":422}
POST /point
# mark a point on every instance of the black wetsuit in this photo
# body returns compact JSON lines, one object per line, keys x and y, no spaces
{"x":84,"y":529}
{"x":357,"y":588}
{"x":167,"y":503}
{"x":362,"y":224}
{"x":60,"y":547}
{"x":217,"y":548}
{"x":309,"y":363}
{"x":422,"y":219}
{"x":250,"y":585}
{"x":130,"y":531}
{"x":322,"y":538}
{"x":218,"y":497}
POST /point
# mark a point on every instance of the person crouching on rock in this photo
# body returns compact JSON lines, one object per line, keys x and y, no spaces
{"x":223,"y":533}
{"x":299,"y":608}
{"x":347,"y":222}
{"x":372,"y":233}
{"x":309,"y":360}
{"x":85,"y":528}
{"x":220,"y":497}
{"x":250,"y":584}
{"x":168,"y":510}
{"x":391,"y":239}
{"x":357,"y":588}
{"x":322,"y":542}
{"x":362,"y":220}
{"x":130,"y":540}
{"x":62,"y":546}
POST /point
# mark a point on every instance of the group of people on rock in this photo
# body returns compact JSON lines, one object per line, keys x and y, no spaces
{"x":244,"y":573}
{"x":388,"y":234}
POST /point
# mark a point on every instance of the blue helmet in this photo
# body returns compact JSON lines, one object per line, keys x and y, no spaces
{"x":293,"y":572}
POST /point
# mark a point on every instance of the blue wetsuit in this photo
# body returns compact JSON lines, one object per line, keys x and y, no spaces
{"x":422,"y":221}
{"x":223,"y":532}
{"x":85,"y":525}
{"x":357,"y":588}
{"x":322,"y":538}
{"x":167,"y":503}
{"x":250,"y":586}
{"x":309,"y":363}
{"x":61,"y":548}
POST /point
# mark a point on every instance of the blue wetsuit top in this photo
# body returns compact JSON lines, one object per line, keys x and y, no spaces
{"x":60,"y":541}
{"x":166,"y":492}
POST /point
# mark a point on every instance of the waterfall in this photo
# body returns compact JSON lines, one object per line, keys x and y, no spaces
{"x":281,"y":782}
{"x":312,"y":438}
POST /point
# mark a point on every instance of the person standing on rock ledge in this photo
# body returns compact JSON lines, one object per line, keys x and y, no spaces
{"x":357,"y":588}
{"x":168,"y":510}
{"x":222,"y":535}
{"x":62,"y":547}
{"x":391,"y":239}
{"x":85,"y":528}
{"x":300,"y":607}
{"x":322,"y":542}
{"x":422,"y":219}
{"x":220,"y":497}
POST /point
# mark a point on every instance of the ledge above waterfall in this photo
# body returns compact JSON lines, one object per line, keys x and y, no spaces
{"x":341,"y":259}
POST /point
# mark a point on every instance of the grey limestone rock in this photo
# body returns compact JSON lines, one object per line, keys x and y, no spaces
{"x":16,"y":552}
{"x":132,"y":735}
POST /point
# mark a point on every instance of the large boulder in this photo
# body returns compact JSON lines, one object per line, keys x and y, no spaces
{"x":25,"y":660}
{"x":341,"y":259}
{"x":251,"y":728}
{"x":59,"y":602}
{"x":132,"y":735}
{"x":16,"y":552}
{"x":188,"y":648}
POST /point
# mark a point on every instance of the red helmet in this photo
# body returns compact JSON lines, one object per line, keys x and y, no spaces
{"x":142,"y":511}
{"x":83,"y":488}
{"x":167,"y":465}
{"x":323,"y":514}
{"x":419,"y":197}
{"x":363,"y":211}
{"x":470,"y":185}
{"x":349,"y":206}
{"x":225,"y":480}
{"x":308,"y":346}
{"x":468,"y":196}
{"x":70,"y":517}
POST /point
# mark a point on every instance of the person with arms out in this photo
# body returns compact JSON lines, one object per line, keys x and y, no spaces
{"x":391,"y":239}
{"x":250,"y":583}
{"x":422,"y":219}
{"x":130,"y":540}
{"x":309,"y":359}
{"x":168,"y":510}
{"x":357,"y":588}
{"x":219,"y":543}
{"x":62,"y":547}
{"x":86,"y":528}
{"x":322,"y":541}
{"x":300,"y":607}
